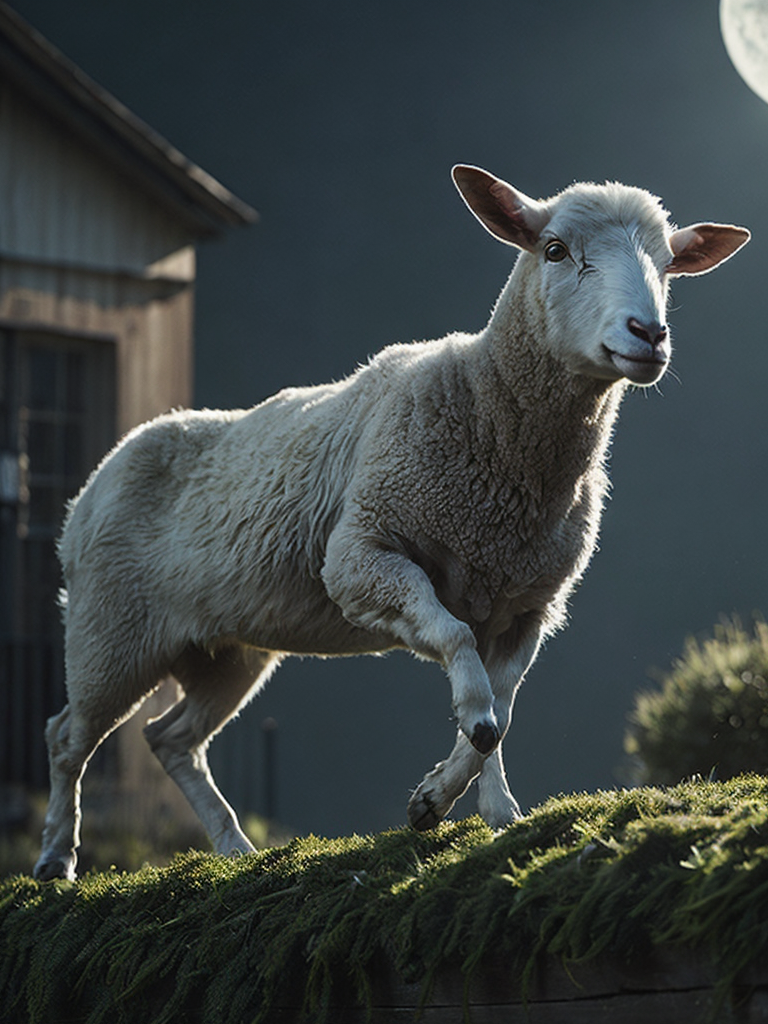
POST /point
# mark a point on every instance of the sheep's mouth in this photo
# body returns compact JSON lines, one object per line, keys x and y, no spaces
{"x":639,"y":369}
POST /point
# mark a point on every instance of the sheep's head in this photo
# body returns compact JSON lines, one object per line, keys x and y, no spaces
{"x":604,"y":255}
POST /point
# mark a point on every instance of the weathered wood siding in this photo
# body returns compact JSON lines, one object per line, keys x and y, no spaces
{"x":84,"y":251}
{"x":63,"y":204}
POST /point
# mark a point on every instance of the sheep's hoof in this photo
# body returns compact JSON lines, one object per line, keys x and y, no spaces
{"x":499,"y":814}
{"x":422,"y":813}
{"x":426,"y":820}
{"x":485,"y":737}
{"x":47,"y":870}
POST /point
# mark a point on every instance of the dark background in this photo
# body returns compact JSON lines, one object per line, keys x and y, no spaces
{"x":339,"y":122}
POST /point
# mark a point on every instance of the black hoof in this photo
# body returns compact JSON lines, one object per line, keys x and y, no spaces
{"x":49,"y":870}
{"x":485,"y":738}
{"x":422,"y":815}
{"x":426,"y":822}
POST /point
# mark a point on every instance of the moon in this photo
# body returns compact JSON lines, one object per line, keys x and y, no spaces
{"x":744,"y":27}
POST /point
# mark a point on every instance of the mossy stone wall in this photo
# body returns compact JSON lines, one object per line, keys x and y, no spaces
{"x":317,"y":926}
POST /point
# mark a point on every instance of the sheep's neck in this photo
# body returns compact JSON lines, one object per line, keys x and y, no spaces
{"x":546,"y":426}
{"x":536,"y":388}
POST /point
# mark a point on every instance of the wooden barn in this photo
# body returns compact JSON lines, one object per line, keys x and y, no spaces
{"x":99,"y":219}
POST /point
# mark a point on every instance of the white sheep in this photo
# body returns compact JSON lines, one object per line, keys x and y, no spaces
{"x":445,"y":498}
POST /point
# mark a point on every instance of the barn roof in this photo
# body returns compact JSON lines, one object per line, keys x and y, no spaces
{"x":57,"y":84}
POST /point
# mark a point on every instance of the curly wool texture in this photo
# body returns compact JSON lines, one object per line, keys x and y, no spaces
{"x":506,"y":518}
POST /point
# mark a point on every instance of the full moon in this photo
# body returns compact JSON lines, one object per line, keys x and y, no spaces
{"x":744,"y":26}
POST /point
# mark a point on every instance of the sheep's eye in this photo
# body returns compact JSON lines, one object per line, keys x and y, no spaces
{"x":555,"y":252}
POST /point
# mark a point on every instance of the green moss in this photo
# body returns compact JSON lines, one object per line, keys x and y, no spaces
{"x":213,"y":940}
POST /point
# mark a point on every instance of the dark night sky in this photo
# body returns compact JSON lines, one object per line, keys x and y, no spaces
{"x":339,"y":122}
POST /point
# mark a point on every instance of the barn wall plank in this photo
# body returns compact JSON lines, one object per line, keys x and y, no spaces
{"x":63,"y":204}
{"x":149,"y":321}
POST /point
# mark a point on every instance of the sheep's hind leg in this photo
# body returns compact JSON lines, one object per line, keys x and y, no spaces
{"x":216,"y":687}
{"x":72,"y":737}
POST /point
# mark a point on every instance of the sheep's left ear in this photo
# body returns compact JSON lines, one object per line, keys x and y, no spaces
{"x":509,"y":215}
{"x":702,"y":247}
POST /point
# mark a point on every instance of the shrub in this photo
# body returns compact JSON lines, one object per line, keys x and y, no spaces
{"x":710,"y":717}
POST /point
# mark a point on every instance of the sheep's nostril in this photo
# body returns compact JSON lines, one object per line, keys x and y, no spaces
{"x":654,"y":333}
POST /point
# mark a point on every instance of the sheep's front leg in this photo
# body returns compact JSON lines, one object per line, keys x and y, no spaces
{"x":506,"y":671}
{"x":449,"y":779}
{"x":439,"y":790}
{"x":384,"y":591}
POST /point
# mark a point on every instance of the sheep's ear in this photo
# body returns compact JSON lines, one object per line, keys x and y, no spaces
{"x":702,"y":247}
{"x":509,"y":215}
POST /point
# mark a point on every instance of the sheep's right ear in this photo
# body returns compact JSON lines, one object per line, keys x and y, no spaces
{"x":702,"y":247}
{"x":509,"y":215}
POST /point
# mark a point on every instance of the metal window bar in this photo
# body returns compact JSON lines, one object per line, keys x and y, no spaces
{"x":51,"y":406}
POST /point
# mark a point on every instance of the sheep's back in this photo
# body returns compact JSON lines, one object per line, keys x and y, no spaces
{"x":212,"y":524}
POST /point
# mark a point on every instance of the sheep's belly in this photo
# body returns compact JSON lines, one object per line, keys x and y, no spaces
{"x":295,"y":620}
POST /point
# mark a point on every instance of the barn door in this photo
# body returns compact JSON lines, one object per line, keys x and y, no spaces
{"x":57,"y":397}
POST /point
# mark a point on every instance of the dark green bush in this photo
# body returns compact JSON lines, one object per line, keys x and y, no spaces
{"x":710,"y":717}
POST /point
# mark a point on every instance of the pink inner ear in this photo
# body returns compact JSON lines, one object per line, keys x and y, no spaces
{"x":700,"y":248}
{"x":684,"y":239}
{"x":508,"y":214}
{"x":513,"y":207}
{"x":506,"y":198}
{"x":528,"y":215}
